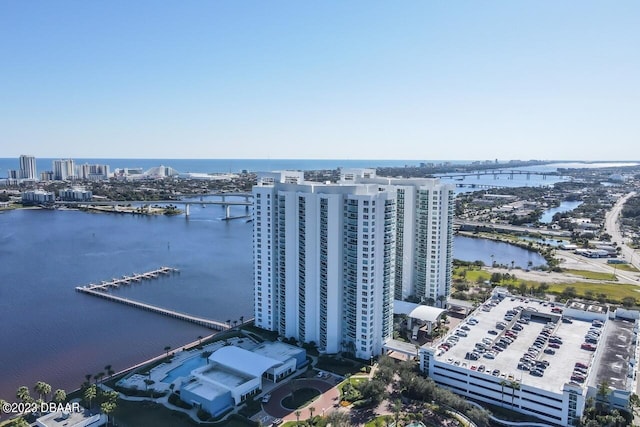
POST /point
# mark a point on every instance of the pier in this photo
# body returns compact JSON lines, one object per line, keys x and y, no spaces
{"x":126,"y":280}
{"x":208,"y":323}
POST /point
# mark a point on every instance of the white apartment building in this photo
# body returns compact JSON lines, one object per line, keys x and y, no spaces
{"x":94,"y":172}
{"x":28,"y":167}
{"x":325,"y":263}
{"x":64,"y":170}
{"x":424,"y":234}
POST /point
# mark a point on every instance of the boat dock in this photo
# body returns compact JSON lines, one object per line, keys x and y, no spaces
{"x":126,"y":280}
{"x":208,"y":323}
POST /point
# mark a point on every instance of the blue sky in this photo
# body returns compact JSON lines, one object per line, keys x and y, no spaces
{"x":333,"y":79}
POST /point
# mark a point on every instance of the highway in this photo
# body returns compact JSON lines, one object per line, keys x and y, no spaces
{"x":612,"y":227}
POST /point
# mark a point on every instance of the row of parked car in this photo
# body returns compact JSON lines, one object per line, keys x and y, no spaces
{"x":592,"y":336}
{"x":579,"y":374}
{"x":545,"y":343}
{"x":455,"y":337}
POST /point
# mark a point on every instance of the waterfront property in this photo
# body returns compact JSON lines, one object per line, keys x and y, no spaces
{"x":233,"y":374}
{"x":538,"y":358}
{"x":236,"y":369}
{"x":329,"y":258}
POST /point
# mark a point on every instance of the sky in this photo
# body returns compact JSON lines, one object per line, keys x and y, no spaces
{"x":424,"y":80}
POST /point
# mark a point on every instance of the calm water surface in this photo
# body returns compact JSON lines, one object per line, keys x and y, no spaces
{"x":488,"y":251}
{"x":50,"y":332}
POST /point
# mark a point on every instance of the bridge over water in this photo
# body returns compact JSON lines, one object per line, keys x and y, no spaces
{"x":224,"y":202}
{"x":496,"y":174}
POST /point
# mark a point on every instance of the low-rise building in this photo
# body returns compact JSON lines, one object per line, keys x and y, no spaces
{"x":37,"y":197}
{"x":75,"y":195}
{"x":233,"y":374}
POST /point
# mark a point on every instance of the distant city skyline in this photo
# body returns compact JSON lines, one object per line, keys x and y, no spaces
{"x":358,"y":80}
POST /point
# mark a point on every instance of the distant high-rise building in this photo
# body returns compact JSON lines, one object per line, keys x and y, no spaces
{"x":326,"y":256}
{"x":28,"y":167}
{"x":64,"y":170}
{"x":95,"y":172}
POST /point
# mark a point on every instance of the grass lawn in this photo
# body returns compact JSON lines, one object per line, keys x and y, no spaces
{"x":625,"y":267}
{"x":613,"y":291}
{"x":591,"y":274}
{"x":471,"y":276}
{"x":353,"y":380}
{"x":301,"y":398}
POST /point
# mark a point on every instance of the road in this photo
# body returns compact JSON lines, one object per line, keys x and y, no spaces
{"x":612,"y":227}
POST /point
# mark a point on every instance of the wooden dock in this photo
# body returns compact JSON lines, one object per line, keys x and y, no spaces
{"x":126,"y":280}
{"x":99,"y":291}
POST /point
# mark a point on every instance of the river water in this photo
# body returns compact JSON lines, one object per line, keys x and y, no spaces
{"x":50,"y":332}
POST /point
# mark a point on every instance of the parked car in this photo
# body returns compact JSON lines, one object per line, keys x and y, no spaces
{"x":549,"y":351}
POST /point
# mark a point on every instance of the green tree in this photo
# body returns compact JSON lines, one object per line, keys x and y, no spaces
{"x":515,"y":385}
{"x":23,"y":394}
{"x":396,"y":407}
{"x":90,"y":394}
{"x":628,"y":302}
{"x":602,"y":395}
{"x":503,"y":383}
{"x":59,"y":396}
{"x":109,"y":371}
{"x":107,"y":408}
{"x":43,"y":389}
{"x":338,"y":419}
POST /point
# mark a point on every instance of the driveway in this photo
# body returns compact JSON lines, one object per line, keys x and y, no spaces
{"x":328,"y":398}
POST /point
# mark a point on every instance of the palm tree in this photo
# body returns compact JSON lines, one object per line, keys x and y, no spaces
{"x":87,"y":378}
{"x":107,"y":408}
{"x":241,"y":320}
{"x":109,"y":371}
{"x":441,"y":299}
{"x":603,"y":392}
{"x":515,"y":385}
{"x":311,"y":411}
{"x":97,"y":377}
{"x":339,"y":419}
{"x":235,"y":322}
{"x":297,"y":417}
{"x":23,"y":394}
{"x":59,"y":396}
{"x":502,"y":384}
{"x":90,"y":394}
{"x":43,"y":389}
{"x":199,"y":339}
{"x":397,"y":406}
{"x":166,"y":350}
{"x":229,"y":323}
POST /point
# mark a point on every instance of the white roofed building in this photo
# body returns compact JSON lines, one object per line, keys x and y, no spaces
{"x":233,"y":374}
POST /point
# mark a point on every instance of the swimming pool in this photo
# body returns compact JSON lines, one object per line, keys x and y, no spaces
{"x":184,"y":369}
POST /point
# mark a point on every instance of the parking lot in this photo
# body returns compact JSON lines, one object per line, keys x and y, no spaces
{"x":560,"y":365}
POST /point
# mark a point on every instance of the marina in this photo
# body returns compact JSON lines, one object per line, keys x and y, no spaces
{"x":100,"y":290}
{"x":126,"y":280}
